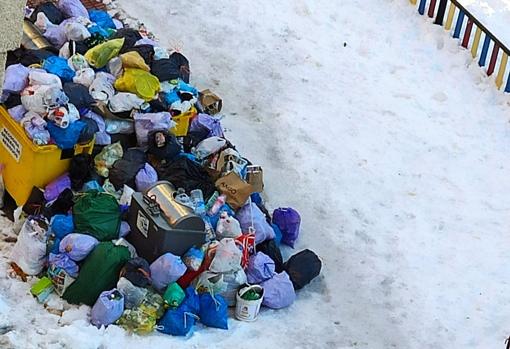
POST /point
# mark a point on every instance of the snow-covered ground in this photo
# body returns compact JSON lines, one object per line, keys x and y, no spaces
{"x":385,"y":136}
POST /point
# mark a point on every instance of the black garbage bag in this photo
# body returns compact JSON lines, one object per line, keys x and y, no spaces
{"x":195,"y":136}
{"x":13,"y":100}
{"x":163,"y":146}
{"x":88,"y":132}
{"x":78,"y":47}
{"x":62,"y":204}
{"x":50,"y":10}
{"x":156,"y":106}
{"x":124,"y":170}
{"x":137,"y":271}
{"x":146,"y":51}
{"x":80,"y":170}
{"x":78,"y":95}
{"x":302,"y":268}
{"x":270,"y":248}
{"x":130,"y":36}
{"x":187,"y":174}
{"x":177,"y":66}
{"x":28,"y":57}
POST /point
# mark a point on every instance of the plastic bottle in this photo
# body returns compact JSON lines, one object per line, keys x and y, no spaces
{"x":220,"y":201}
{"x":197,"y":198}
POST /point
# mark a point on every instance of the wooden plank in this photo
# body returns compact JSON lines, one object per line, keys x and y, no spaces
{"x":501,"y":72}
{"x":412,"y":2}
{"x":476,"y":42}
{"x":440,"y":12}
{"x":485,"y":49}
{"x":421,"y":8}
{"x":432,"y":8}
{"x":449,"y":20}
{"x":507,"y":88}
{"x":467,"y":33}
{"x":458,"y":26}
{"x":494,"y":57}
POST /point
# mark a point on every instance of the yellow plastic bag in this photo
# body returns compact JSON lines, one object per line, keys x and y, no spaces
{"x":133,"y":59}
{"x":99,"y":55}
{"x":138,"y":81}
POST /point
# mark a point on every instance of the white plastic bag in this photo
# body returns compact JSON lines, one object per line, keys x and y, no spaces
{"x":124,"y":101}
{"x":76,"y":31}
{"x":101,"y":88}
{"x":228,"y":227}
{"x":40,"y":77}
{"x":133,"y":296}
{"x":127,"y":193}
{"x":115,"y":67}
{"x":32,"y":99}
{"x":227,"y":257}
{"x":29,"y":252}
{"x":84,"y":76}
{"x":208,"y":147}
{"x":77,"y":62}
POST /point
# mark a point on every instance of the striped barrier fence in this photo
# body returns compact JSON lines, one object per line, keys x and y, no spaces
{"x":451,"y":14}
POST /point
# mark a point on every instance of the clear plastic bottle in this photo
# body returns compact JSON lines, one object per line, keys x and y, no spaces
{"x":220,"y":201}
{"x":197,"y":198}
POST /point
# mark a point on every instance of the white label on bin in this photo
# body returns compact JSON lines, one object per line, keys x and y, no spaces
{"x":142,"y":223}
{"x":11,"y":143}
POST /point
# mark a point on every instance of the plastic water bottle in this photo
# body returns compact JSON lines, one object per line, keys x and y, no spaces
{"x":220,"y":201}
{"x":197,"y":199}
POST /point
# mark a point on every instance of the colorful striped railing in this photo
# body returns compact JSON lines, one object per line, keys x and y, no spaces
{"x":456,"y":13}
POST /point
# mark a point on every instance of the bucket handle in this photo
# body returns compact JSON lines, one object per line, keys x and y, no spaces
{"x":246,"y":289}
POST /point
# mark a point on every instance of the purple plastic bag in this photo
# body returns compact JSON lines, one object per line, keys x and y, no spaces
{"x":260,"y":268}
{"x":72,"y":8}
{"x":17,"y":112}
{"x":56,"y":35}
{"x":63,"y":261}
{"x":77,"y":246}
{"x":147,"y":122}
{"x":263,"y":231}
{"x":211,"y":123}
{"x":166,"y":269}
{"x":16,"y":78}
{"x":288,"y":220}
{"x":278,"y":291}
{"x":124,"y":230}
{"x":53,"y":190}
{"x":107,"y":309}
{"x":146,"y":177}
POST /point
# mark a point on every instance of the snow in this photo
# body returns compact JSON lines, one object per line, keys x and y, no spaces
{"x":388,"y":140}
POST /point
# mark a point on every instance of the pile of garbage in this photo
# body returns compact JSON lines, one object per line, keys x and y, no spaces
{"x":163,"y":225}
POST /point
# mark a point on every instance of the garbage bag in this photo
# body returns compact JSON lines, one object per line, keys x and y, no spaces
{"x":174,"y":67}
{"x":160,"y":53}
{"x":153,"y":304}
{"x":80,"y":170}
{"x":123,"y":172}
{"x":147,"y":122}
{"x":125,"y":229}
{"x":58,"y":66}
{"x":186,"y":174}
{"x":131,"y":36}
{"x":76,"y":31}
{"x":63,"y":261}
{"x":72,"y":8}
{"x":174,"y":295}
{"x":62,"y":225}
{"x":145,"y":177}
{"x":29,"y":252}
{"x":101,"y":88}
{"x":35,"y":127}
{"x":107,"y":309}
{"x":133,"y":296}
{"x":260,"y":268}
{"x":210,"y":123}
{"x":53,"y":190}
{"x":63,"y":204}
{"x":102,"y":138}
{"x":28,"y":57}
{"x":77,"y":62}
{"x":101,"y":18}
{"x":132,"y":59}
{"x":78,"y":246}
{"x":137,"y":271}
{"x":233,"y":280}
{"x":208,"y":147}
{"x":146,"y":51}
{"x":125,"y":127}
{"x":165,"y":270}
{"x":60,"y":279}
{"x":66,"y":138}
{"x":97,"y":214}
{"x":163,"y":145}
{"x":99,"y":272}
{"x":251,"y":213}
{"x":40,"y":77}
{"x":227,"y":227}
{"x":288,"y":220}
{"x":107,"y":157}
{"x":213,"y":311}
{"x":177,"y":322}
{"x":138,"y":81}
{"x":99,"y":55}
{"x":115,"y":67}
{"x":145,"y":41}
{"x":278,"y":291}
{"x":302,"y":268}
{"x":124,"y":101}
{"x":88,"y":132}
{"x":52,"y":12}
{"x":227,"y":257}
{"x":78,"y":95}
{"x":270,"y":248}
{"x":16,"y":78}
{"x":193,"y":258}
{"x":85,"y":77}
{"x":17,"y":112}
{"x":137,"y":321}
{"x":56,"y":35}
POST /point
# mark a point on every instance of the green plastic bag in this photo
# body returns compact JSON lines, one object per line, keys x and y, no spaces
{"x":138,"y":81}
{"x":174,"y":295}
{"x":99,"y":272}
{"x":97,"y":214}
{"x":98,"y":56}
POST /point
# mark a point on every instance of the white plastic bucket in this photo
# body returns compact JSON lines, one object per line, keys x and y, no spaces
{"x":248,"y":310}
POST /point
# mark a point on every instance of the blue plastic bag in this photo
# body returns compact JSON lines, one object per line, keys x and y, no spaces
{"x":61,"y":225}
{"x":213,"y":311}
{"x":166,"y":269}
{"x":78,"y":246}
{"x":192,"y":300}
{"x":58,"y":66}
{"x":277,"y":234}
{"x":92,"y":185}
{"x":66,"y":138}
{"x":63,"y":261}
{"x":193,"y":258}
{"x":101,"y":18}
{"x":177,"y":322}
{"x":96,"y":29}
{"x":288,"y":220}
{"x":108,"y":308}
